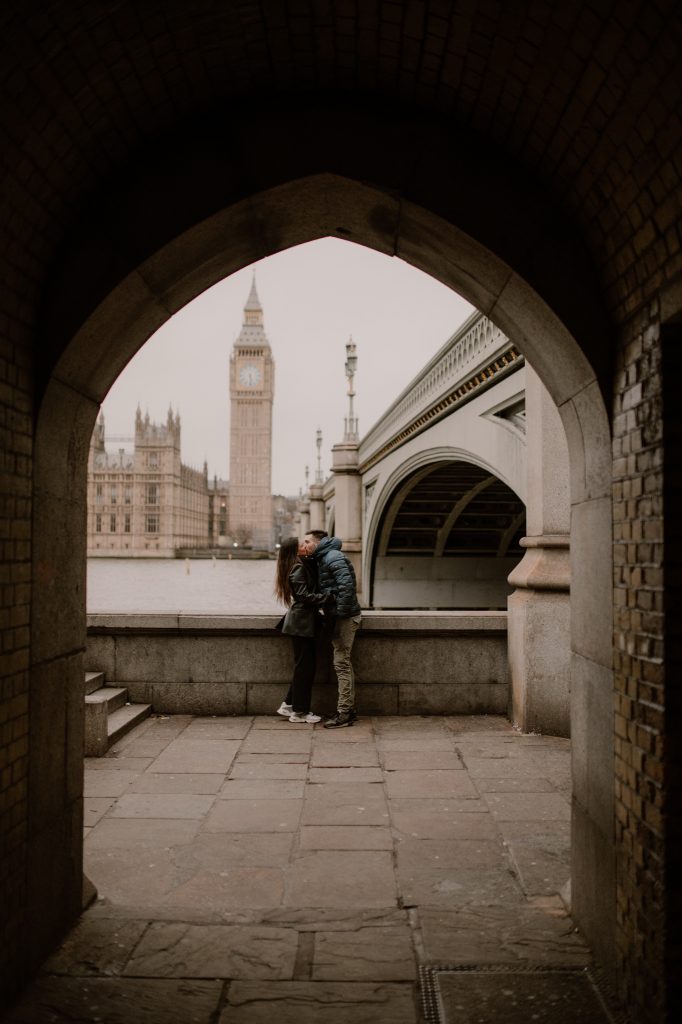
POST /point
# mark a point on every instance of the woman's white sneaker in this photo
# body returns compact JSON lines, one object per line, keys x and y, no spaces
{"x":285,"y":710}
{"x":309,"y":719}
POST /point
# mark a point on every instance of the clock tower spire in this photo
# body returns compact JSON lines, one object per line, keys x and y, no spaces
{"x":252,"y":383}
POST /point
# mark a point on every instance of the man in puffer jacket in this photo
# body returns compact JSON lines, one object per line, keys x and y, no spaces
{"x":336,"y":574}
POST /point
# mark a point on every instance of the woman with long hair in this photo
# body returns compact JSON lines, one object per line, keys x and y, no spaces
{"x":296,"y":587}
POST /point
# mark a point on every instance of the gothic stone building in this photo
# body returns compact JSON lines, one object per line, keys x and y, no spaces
{"x":147,"y":502}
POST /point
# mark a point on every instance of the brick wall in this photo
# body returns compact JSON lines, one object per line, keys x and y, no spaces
{"x":15,"y":587}
{"x":638,"y":662}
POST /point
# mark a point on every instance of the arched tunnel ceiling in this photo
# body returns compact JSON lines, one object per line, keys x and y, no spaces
{"x":458,"y":509}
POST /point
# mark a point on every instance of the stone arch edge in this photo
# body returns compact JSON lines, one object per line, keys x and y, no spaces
{"x":162,"y":284}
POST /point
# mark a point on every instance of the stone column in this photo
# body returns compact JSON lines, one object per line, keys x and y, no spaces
{"x":539,"y":632}
{"x":304,"y":515}
{"x":348,"y":503}
{"x":316,"y":507}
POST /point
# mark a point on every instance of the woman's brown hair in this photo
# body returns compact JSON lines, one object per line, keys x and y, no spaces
{"x":286,"y":556}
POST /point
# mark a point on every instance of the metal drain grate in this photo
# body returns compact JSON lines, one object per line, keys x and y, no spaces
{"x":464,"y":993}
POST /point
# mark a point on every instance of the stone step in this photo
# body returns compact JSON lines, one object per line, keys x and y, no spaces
{"x":93,"y":681}
{"x":113,"y":696}
{"x":122,"y":721}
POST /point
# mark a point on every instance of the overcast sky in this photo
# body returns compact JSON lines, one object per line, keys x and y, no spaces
{"x":314,"y":297}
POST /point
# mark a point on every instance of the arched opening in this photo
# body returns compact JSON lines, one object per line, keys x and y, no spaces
{"x":448,"y":538}
{"x":147,"y":293}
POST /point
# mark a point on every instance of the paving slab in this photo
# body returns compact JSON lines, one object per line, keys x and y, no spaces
{"x":111,"y":762}
{"x":228,"y":889}
{"x":256,"y":770}
{"x":345,"y":755}
{"x":443,"y":819}
{"x":67,"y":1000}
{"x":342,"y":879}
{"x":217,"y":728}
{"x":345,"y":776}
{"x":174,"y":949}
{"x":218,"y":851}
{"x":150,"y":745}
{"x":516,"y":998}
{"x":360,"y":732}
{"x":459,"y":887}
{"x":523,"y":784}
{"x":345,"y":837}
{"x":528,"y":806}
{"x":531,"y":828}
{"x":489,"y":746}
{"x":337,"y":919}
{"x":136,"y":834}
{"x":162,"y":805}
{"x":94,"y":809}
{"x":497,"y":934}
{"x":346,"y":811}
{"x":196,"y":756}
{"x":99,"y":947}
{"x":416,"y":760}
{"x":479,"y":724}
{"x":292,"y":741}
{"x":405,"y":725}
{"x":254,"y":816}
{"x":452,"y":872}
{"x":108,"y":783}
{"x":162,"y":782}
{"x":131,"y":876}
{"x":280,"y":757}
{"x":368,"y":954}
{"x":542,"y":863}
{"x":273,"y":721}
{"x":311,"y":1002}
{"x":262,"y":789}
{"x":433,"y":782}
{"x":502,"y":767}
{"x":417,"y":741}
{"x":334,"y":792}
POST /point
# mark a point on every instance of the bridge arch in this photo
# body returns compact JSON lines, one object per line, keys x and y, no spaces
{"x":447,"y":537}
{"x":413,"y":465}
{"x":126,"y":271}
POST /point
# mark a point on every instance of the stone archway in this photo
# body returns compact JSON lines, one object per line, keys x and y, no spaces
{"x":93,"y":344}
{"x":475,"y":573}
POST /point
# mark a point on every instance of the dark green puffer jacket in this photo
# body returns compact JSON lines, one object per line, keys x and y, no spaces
{"x":336,"y":573}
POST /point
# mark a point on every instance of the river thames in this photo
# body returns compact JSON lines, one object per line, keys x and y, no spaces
{"x":199,"y":586}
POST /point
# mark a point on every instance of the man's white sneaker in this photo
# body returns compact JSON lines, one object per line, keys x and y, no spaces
{"x":285,"y":710}
{"x":309,"y":719}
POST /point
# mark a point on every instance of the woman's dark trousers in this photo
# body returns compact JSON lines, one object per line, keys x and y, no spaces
{"x":304,"y":673}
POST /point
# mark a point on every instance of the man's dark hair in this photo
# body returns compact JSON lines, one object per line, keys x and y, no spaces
{"x":318,"y":534}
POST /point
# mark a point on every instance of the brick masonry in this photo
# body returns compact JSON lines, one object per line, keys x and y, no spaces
{"x":581,"y":101}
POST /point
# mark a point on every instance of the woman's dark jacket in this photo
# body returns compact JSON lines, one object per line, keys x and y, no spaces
{"x":303,"y":617}
{"x":336,"y":573}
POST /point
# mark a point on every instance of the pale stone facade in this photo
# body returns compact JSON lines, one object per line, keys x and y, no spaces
{"x":252,"y":384}
{"x":147,"y":502}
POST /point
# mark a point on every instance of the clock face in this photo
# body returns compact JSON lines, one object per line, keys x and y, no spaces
{"x":249,"y":375}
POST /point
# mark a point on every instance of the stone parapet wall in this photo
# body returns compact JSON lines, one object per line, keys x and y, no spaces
{"x":405,"y":662}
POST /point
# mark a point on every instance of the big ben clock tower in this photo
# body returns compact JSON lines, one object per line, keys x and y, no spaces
{"x":252,"y":385}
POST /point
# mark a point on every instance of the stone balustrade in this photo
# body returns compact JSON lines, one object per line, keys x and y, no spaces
{"x":406,"y":662}
{"x":465,"y":355}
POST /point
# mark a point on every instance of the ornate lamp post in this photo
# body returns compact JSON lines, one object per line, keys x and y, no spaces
{"x":351,"y":423}
{"x":318,"y":471}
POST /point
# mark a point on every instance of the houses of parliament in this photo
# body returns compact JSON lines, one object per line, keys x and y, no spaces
{"x":147,"y":502}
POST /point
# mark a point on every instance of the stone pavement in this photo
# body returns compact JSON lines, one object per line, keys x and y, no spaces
{"x":250,"y":870}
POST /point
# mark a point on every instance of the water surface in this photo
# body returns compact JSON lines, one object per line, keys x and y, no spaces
{"x":220,"y":587}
